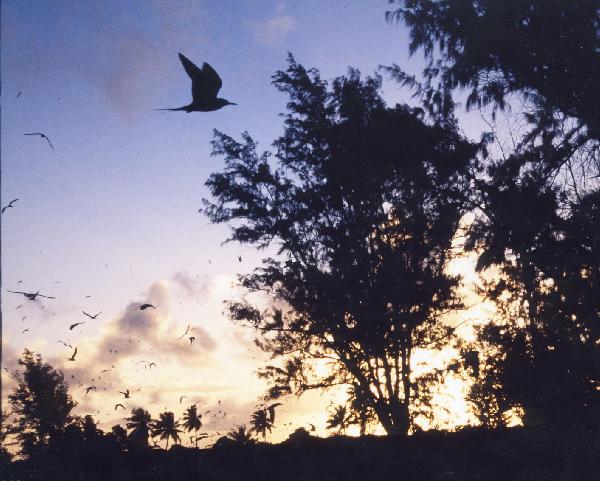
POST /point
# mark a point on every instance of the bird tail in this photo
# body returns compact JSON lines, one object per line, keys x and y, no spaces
{"x":173,"y":110}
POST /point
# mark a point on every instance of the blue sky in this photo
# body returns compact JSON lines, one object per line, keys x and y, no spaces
{"x":112,"y":212}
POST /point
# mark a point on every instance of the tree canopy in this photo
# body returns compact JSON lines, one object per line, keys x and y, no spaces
{"x":41,"y":403}
{"x":362,"y":201}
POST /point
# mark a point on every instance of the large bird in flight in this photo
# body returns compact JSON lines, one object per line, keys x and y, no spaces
{"x":206,"y":84}
{"x":90,"y":316}
{"x":31,"y":296}
{"x":143,"y":307}
{"x":43,"y":136}
{"x":10,"y":204}
{"x":72,"y":358}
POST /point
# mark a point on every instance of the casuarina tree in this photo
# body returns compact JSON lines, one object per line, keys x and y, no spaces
{"x":360,"y":203}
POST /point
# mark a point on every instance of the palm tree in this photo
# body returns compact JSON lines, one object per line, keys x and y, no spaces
{"x":339,"y":419}
{"x":261,"y":422}
{"x":191,"y":419}
{"x":241,"y":436}
{"x":139,"y":422}
{"x":166,"y":427}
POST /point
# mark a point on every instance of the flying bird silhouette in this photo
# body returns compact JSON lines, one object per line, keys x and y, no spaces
{"x":119,"y":404}
{"x":72,"y":358}
{"x":239,"y":258}
{"x":126,"y":393}
{"x":186,"y":331}
{"x":151,"y":364}
{"x":24,"y":331}
{"x":43,"y":136}
{"x":19,"y":94}
{"x":31,"y":296}
{"x":146,"y":306}
{"x":192,"y":339}
{"x":65,"y":344}
{"x":206,"y":84}
{"x":271,"y":410}
{"x":90,"y":316}
{"x":90,"y":388}
{"x":72,"y":326}
{"x":181,"y":398}
{"x":9,"y":205}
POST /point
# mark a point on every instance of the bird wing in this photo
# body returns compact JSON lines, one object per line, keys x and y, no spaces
{"x":86,"y":314}
{"x":17,"y":292}
{"x":206,"y":82}
{"x":47,"y":297}
{"x":4,"y":208}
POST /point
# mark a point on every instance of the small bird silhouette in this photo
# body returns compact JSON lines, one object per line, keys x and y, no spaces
{"x":72,"y":326}
{"x":43,"y":136}
{"x":65,"y":344}
{"x":90,"y":316}
{"x":31,"y":296}
{"x":146,"y":306}
{"x":192,"y":339}
{"x":181,"y":398}
{"x":72,"y":358}
{"x":271,"y":410}
{"x":19,"y":307}
{"x":126,"y":393}
{"x":151,"y":364}
{"x":90,"y":388}
{"x":9,"y":205}
{"x":19,"y":94}
{"x":186,"y":331}
{"x":206,"y":84}
{"x":24,"y":331}
{"x":119,"y":405}
{"x":240,"y":258}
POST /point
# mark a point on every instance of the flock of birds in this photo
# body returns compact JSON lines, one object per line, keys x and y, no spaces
{"x":206,"y":84}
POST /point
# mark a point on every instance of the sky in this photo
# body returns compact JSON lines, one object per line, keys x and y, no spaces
{"x":109,"y":219}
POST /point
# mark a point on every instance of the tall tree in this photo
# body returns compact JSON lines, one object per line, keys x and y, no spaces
{"x":192,"y":421}
{"x":40,"y":403}
{"x":166,"y":427}
{"x":538,"y":222}
{"x":139,"y":422}
{"x":362,"y":203}
{"x":261,"y":422}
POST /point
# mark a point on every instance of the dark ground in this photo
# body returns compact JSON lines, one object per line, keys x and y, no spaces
{"x":515,"y":454}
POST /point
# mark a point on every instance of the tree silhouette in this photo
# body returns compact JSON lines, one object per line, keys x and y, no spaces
{"x":538,"y":220}
{"x":339,"y":419}
{"x":139,"y":422}
{"x":40,"y":403}
{"x":362,"y":204}
{"x":119,"y":434}
{"x":191,"y":419}
{"x":241,"y":436}
{"x":261,"y":422}
{"x":166,"y":428}
{"x":543,"y":51}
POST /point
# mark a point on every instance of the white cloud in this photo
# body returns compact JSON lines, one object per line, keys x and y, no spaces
{"x":275,"y":30}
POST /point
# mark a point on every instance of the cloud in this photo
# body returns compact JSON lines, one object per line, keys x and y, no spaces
{"x":194,"y":287}
{"x":274,"y":30}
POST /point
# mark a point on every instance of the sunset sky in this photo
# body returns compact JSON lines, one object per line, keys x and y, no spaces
{"x":112,"y":212}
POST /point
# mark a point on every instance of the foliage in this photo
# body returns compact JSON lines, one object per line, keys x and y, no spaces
{"x":241,"y":436}
{"x":166,"y":427}
{"x":261,"y":422}
{"x":192,"y":421}
{"x":362,"y":204}
{"x":40,"y":403}
{"x":543,"y":52}
{"x":537,"y":222}
{"x":139,"y":423}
